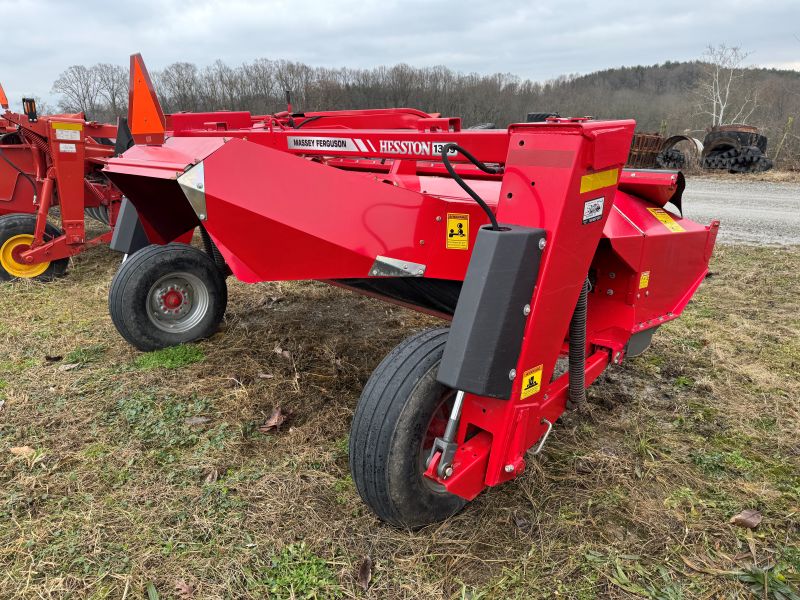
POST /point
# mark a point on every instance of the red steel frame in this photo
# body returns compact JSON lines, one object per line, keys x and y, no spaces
{"x":280,"y":205}
{"x":63,"y":155}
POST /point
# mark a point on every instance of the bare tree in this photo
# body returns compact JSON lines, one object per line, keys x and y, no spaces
{"x":724,"y":94}
{"x":179,"y":87}
{"x":113,"y":88}
{"x":79,"y":88}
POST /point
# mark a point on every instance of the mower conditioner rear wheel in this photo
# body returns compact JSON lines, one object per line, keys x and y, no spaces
{"x":167,"y":295}
{"x":391,"y":434}
{"x":16,"y":236}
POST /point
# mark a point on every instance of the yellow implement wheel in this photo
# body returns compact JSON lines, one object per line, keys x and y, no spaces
{"x":11,"y":260}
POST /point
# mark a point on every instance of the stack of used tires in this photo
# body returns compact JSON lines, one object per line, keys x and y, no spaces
{"x":679,"y":152}
{"x":735,"y":148}
{"x":671,"y":158}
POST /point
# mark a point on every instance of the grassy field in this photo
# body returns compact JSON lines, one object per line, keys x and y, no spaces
{"x":129,"y":475}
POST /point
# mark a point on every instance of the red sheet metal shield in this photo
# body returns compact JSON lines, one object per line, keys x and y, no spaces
{"x":275,"y":214}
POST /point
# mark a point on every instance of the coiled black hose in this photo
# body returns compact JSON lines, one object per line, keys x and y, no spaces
{"x":577,"y":349}
{"x":486,"y":169}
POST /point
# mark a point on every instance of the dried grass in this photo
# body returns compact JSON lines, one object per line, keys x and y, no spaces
{"x":630,"y":492}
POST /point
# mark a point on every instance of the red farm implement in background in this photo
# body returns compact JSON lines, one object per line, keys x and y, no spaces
{"x":49,"y":162}
{"x":550,"y":262}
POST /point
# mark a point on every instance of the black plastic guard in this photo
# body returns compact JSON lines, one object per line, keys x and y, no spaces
{"x":124,"y":138}
{"x":489,"y":322}
{"x":129,"y":235}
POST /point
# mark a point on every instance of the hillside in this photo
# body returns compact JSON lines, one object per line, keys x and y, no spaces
{"x":660,"y":97}
{"x":663,"y":95}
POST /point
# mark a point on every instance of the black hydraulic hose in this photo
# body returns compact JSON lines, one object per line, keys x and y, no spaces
{"x":308,"y":120}
{"x":486,"y":169}
{"x":21,"y":172}
{"x":577,"y":349}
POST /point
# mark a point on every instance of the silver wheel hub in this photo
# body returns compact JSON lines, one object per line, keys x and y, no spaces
{"x":177,"y":302}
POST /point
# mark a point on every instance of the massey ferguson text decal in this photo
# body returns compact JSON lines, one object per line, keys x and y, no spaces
{"x":322,"y":143}
{"x":341,"y":144}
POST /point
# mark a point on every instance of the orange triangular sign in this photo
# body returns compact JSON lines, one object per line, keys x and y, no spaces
{"x":145,"y":117}
{"x":3,"y":98}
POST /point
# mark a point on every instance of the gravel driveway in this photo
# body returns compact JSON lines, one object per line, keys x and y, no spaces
{"x":750,"y":212}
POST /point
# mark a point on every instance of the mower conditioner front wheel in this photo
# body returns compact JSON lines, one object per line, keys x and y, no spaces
{"x":167,"y":295}
{"x":16,"y":236}
{"x":401,"y":411}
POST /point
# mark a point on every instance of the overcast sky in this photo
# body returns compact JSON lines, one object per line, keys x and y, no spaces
{"x":536,"y":39}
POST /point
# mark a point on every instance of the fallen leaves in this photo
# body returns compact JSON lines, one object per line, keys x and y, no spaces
{"x":23,"y":451}
{"x":184,"y":590}
{"x":211,"y":477}
{"x":194,"y":421}
{"x":68,"y":366}
{"x":283,"y":353}
{"x":27,"y":453}
{"x":275,"y":420}
{"x":52,"y":357}
{"x":522,"y":523}
{"x":748,"y":518}
{"x":365,"y":573}
{"x":704,"y":568}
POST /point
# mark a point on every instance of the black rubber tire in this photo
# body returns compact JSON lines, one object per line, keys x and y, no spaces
{"x":742,"y":138}
{"x":99,"y":213}
{"x":127,"y":298}
{"x":391,"y":418}
{"x":18,"y":224}
{"x":540,"y":117}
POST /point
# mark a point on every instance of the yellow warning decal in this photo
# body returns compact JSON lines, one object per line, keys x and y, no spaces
{"x":70,"y":132}
{"x":457,"y":231}
{"x":666,"y":219}
{"x":71,"y":126}
{"x":595,"y":181}
{"x":644,"y":280}
{"x":531,"y":382}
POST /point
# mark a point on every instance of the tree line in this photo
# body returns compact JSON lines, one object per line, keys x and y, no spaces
{"x":674,"y":97}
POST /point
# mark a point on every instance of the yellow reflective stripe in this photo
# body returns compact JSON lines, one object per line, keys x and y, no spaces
{"x":595,"y":181}
{"x":72,"y":126}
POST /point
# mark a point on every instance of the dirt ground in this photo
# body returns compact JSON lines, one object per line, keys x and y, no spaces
{"x":130,"y":475}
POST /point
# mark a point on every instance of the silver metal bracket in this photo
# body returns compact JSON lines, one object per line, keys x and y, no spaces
{"x":446,"y":445}
{"x":540,"y":445}
{"x":392,"y":267}
{"x":193,"y":183}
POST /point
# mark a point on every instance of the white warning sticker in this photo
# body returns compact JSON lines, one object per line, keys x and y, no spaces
{"x":366,"y":146}
{"x":318,"y":144}
{"x":593,"y":210}
{"x":70,"y":148}
{"x":68,"y":134}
